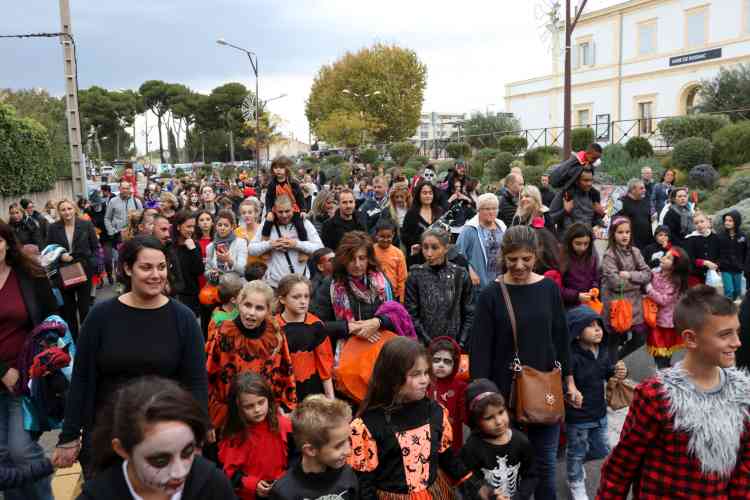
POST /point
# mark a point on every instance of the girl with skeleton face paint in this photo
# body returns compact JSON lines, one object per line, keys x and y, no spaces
{"x":146,"y":447}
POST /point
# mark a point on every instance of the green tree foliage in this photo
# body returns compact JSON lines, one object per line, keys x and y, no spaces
{"x":514,"y":144}
{"x":369,"y":156}
{"x":580,"y":138}
{"x":540,"y":155}
{"x":384,"y":82}
{"x":738,"y":189}
{"x":485,"y":130}
{"x":156,"y":97}
{"x":25,"y":155}
{"x":639,"y":147}
{"x":499,"y":167}
{"x":732,"y":144}
{"x":268,"y":135}
{"x":677,"y":128}
{"x":727,"y":91}
{"x":458,"y":150}
{"x":402,"y":151}
{"x":50,"y":112}
{"x":343,"y":128}
{"x":691,"y":152}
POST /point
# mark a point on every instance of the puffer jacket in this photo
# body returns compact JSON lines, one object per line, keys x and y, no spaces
{"x":629,"y":260}
{"x":439,"y":300}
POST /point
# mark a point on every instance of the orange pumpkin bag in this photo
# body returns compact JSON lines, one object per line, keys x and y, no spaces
{"x":621,"y":314}
{"x":595,"y":303}
{"x":463,"y":368}
{"x":650,"y":308}
{"x":356,"y":362}
{"x":209,"y":295}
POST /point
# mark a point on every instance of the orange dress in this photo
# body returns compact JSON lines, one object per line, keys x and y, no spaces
{"x":233,"y":350}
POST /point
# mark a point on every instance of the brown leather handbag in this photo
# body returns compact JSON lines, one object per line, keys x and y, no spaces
{"x":72,"y":275}
{"x":536,"y":396}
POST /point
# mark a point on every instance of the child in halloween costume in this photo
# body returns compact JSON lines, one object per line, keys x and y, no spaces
{"x":445,"y":388}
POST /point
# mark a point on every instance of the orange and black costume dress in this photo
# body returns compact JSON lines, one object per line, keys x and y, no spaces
{"x":235,"y":349}
{"x":404,"y":453}
{"x":312,"y":355}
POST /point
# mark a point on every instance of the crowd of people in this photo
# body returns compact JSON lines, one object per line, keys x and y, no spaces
{"x":241,"y":307}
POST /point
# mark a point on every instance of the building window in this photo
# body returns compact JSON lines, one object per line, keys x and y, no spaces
{"x":587,"y":54}
{"x":583,"y":53}
{"x":423,"y":134}
{"x":645,"y":115}
{"x":696,"y":27}
{"x":583,"y":117}
{"x":747,"y":16}
{"x":647,"y":38}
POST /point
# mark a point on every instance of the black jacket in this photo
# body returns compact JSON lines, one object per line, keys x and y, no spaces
{"x":335,"y":228}
{"x":676,"y":235}
{"x":639,"y":213}
{"x":205,"y":482}
{"x":743,"y":353}
{"x":190,"y":266}
{"x":370,"y":210}
{"x":439,"y":301}
{"x":296,"y":484}
{"x":28,"y":232}
{"x":732,"y":250}
{"x":507,"y":208}
{"x":548,"y":194}
{"x":299,"y":196}
{"x":700,"y":247}
{"x":85,"y":243}
{"x":589,"y":371}
{"x":15,"y":476}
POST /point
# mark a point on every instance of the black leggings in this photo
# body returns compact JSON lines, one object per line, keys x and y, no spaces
{"x":76,"y":304}
{"x":620,"y":346}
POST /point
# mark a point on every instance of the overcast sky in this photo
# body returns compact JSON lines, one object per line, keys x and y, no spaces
{"x":471,"y":48}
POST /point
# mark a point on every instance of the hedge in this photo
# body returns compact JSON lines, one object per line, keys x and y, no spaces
{"x":639,"y":147}
{"x":513,"y":144}
{"x":691,"y":152}
{"x":458,"y":150}
{"x":732,"y":144}
{"x":677,"y":128}
{"x":580,"y":138}
{"x":25,"y":155}
{"x":499,"y":167}
{"x":539,"y":155}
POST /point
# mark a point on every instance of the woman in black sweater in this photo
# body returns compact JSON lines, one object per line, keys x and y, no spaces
{"x":186,"y":261}
{"x":542,"y":338}
{"x":424,"y":210}
{"x":141,"y":332}
{"x":78,"y":237}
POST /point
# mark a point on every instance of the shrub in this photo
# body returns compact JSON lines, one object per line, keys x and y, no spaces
{"x":513,"y":144}
{"x":539,"y":155}
{"x":532,"y":174}
{"x":677,"y":128}
{"x":402,"y":151}
{"x":726,"y":170}
{"x":499,"y":167}
{"x":445,"y":165}
{"x":614,"y":157}
{"x":738,"y":189}
{"x":25,"y":155}
{"x":486,"y":154}
{"x":476,"y":168}
{"x":732,"y":144}
{"x":422,"y":160}
{"x":178,"y":173}
{"x":704,"y":176}
{"x":580,"y":138}
{"x":409,"y":171}
{"x":412,"y":165}
{"x":639,"y":147}
{"x":458,"y":150}
{"x":369,"y":156}
{"x":335,"y":159}
{"x":691,"y":152}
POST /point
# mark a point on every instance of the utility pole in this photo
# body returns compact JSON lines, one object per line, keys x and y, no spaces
{"x":71,"y":101}
{"x":569,"y":27}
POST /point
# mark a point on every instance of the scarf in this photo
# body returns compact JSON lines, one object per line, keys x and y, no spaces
{"x":228,"y":240}
{"x":368,"y":291}
{"x":686,"y":219}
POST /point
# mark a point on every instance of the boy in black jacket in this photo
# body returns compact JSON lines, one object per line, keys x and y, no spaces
{"x":321,"y":432}
{"x":591,"y":367}
{"x":732,"y":254}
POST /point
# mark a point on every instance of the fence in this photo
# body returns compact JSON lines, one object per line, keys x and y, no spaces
{"x":608,"y":132}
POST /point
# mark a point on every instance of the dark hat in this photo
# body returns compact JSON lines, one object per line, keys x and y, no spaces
{"x":662,"y":229}
{"x":478,"y":388}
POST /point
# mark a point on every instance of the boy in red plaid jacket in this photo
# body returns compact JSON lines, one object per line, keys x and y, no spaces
{"x":687,"y":434}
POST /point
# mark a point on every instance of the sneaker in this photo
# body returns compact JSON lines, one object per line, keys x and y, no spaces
{"x":578,"y":490}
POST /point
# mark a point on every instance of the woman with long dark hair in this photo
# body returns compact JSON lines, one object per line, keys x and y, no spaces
{"x":188,"y":262}
{"x":424,"y":211}
{"x":148,"y":444}
{"x":25,"y":301}
{"x":141,"y":332}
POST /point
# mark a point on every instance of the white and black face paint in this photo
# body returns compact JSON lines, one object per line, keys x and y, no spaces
{"x":428,"y":175}
{"x":162,"y":461}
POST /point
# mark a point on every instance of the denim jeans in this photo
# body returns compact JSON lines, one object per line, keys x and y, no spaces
{"x":586,"y":441}
{"x":17,"y":448}
{"x":732,"y":284}
{"x":545,"y":440}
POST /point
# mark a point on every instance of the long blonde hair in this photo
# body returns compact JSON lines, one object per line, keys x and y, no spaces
{"x":532,"y":192}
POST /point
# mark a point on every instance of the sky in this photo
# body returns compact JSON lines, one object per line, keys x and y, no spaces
{"x":471,"y":48}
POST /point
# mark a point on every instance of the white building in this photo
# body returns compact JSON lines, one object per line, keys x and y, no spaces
{"x":633,"y":63}
{"x":437,"y":126}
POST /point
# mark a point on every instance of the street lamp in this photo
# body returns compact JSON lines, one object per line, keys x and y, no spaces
{"x":254,"y":65}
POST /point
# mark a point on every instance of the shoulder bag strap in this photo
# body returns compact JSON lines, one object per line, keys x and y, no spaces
{"x":286,"y":254}
{"x":511,"y":313}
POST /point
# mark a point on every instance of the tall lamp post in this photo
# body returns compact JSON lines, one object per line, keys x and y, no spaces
{"x":254,"y":65}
